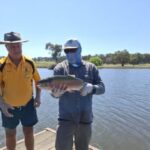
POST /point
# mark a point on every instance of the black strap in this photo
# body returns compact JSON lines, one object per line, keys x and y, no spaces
{"x":2,"y":65}
{"x":31,"y":63}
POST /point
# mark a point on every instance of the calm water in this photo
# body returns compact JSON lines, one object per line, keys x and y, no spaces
{"x":122,"y":114}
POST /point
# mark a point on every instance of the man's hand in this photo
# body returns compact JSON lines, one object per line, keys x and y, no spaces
{"x":4,"y":107}
{"x":57,"y":91}
{"x":37,"y":102}
{"x":87,"y":89}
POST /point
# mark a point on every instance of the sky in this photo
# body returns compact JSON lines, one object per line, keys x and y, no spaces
{"x":101,"y":26}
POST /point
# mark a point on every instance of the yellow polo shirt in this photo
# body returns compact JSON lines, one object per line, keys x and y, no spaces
{"x":16,"y":82}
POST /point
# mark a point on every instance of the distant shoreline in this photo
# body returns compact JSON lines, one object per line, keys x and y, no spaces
{"x":127,"y":66}
{"x":50,"y":65}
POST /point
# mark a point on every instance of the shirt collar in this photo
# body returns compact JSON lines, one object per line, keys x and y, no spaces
{"x":8,"y":60}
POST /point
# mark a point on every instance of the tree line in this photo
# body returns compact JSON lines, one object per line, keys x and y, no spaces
{"x":119,"y":57}
{"x":122,"y":57}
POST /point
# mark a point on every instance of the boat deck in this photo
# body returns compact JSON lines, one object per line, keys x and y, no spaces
{"x":44,"y":140}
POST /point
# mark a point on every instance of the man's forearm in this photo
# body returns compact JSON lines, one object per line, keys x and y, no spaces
{"x":38,"y":92}
{"x":99,"y":89}
{"x":1,"y":101}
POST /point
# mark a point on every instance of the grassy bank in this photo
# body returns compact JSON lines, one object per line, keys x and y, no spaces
{"x":51,"y":64}
{"x":127,"y":66}
{"x":44,"y":64}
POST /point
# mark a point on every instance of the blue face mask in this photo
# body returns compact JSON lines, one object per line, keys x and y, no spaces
{"x":74,"y":58}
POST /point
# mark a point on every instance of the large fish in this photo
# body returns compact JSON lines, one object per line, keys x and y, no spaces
{"x":72,"y":83}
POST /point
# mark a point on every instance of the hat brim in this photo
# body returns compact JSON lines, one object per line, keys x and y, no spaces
{"x":70,"y":47}
{"x":12,"y":42}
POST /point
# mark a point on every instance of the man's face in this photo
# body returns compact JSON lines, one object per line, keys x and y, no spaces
{"x":14,"y":50}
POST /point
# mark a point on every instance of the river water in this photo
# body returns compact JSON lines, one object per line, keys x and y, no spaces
{"x":121,"y":115}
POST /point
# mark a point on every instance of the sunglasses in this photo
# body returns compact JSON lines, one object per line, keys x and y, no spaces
{"x":73,"y":50}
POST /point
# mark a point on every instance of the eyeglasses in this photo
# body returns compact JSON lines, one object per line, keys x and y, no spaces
{"x":73,"y":50}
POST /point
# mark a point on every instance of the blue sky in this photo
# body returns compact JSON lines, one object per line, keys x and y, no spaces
{"x":102,"y":26}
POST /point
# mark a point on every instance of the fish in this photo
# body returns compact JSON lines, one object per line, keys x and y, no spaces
{"x":71,"y":82}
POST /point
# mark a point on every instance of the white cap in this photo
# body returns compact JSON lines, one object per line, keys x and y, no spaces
{"x":72,"y":44}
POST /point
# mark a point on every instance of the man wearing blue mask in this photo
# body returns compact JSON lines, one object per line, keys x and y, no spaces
{"x":75,"y":107}
{"x":73,"y":52}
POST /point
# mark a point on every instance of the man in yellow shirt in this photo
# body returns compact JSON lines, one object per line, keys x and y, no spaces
{"x":16,"y":92}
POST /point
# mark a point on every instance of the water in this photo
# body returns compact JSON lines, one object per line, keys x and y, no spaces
{"x":121,"y":115}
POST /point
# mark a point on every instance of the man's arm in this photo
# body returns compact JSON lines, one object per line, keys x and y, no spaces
{"x":36,"y":78}
{"x":96,"y":87}
{"x":37,"y":100}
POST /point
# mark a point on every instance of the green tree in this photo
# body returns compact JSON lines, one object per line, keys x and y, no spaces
{"x":110,"y":58}
{"x":96,"y":60}
{"x":86,"y":57}
{"x":122,"y":57}
{"x":134,"y":59}
{"x":55,"y":50}
{"x":146,"y":58}
{"x":102,"y":56}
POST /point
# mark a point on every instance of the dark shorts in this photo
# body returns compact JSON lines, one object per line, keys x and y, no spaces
{"x":27,"y":115}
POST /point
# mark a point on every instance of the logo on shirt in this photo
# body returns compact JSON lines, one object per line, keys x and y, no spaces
{"x":27,"y":73}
